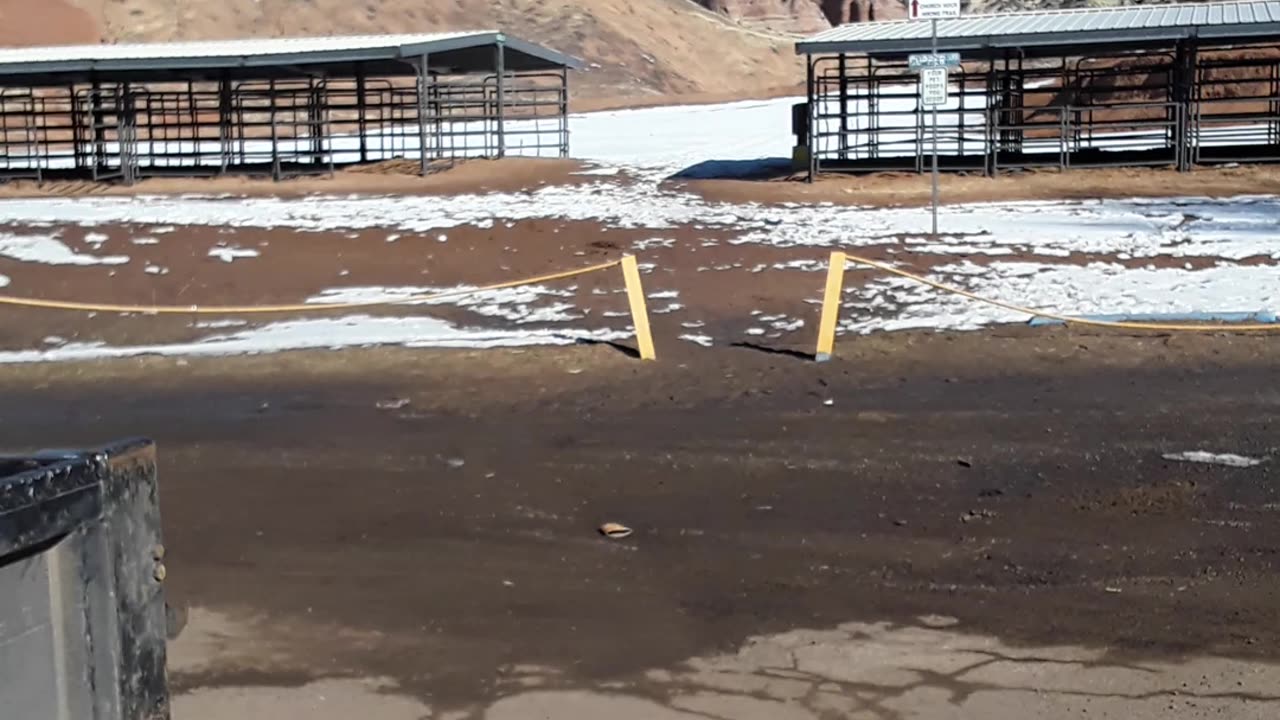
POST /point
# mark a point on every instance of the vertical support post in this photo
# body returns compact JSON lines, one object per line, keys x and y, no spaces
{"x":193,"y":111}
{"x":830,"y":307}
{"x":362,"y":114}
{"x":1273,"y":127}
{"x":424,"y":85}
{"x":436,"y":106}
{"x":96,"y":129}
{"x":314,"y":125}
{"x":844,"y":108}
{"x":500,"y":62}
{"x":990,"y":139}
{"x":275,"y":141}
{"x":126,"y":122}
{"x":564,"y":112}
{"x":639,"y":313}
{"x":934,"y":32}
{"x":224,"y":120}
{"x":77,"y":127}
{"x":1182,"y":77}
{"x":811,"y":106}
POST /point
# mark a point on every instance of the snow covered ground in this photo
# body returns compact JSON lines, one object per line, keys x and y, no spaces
{"x":1079,"y":257}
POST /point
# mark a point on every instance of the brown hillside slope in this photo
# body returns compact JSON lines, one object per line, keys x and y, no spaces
{"x":45,"y":22}
{"x":639,"y":51}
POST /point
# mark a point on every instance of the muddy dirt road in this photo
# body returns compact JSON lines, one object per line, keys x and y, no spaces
{"x":1006,"y":485}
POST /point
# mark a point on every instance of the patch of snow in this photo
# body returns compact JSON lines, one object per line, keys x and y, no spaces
{"x":4,"y":281}
{"x":215,"y":324}
{"x":803,"y":264}
{"x":1227,"y":459}
{"x":163,"y":230}
{"x":230,"y":254}
{"x":651,"y":243}
{"x":703,"y":340}
{"x":155,"y":270}
{"x":519,"y":304}
{"x":393,"y":237}
{"x":894,"y":303}
{"x":316,"y":333}
{"x":96,"y":238}
{"x":664,"y":294}
{"x":51,"y":251}
{"x":145,"y":241}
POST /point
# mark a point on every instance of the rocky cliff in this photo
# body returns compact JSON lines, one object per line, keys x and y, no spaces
{"x":810,"y":15}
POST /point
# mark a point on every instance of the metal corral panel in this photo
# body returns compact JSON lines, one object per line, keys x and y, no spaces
{"x":1118,"y":25}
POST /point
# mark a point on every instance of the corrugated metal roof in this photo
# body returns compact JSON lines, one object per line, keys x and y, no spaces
{"x":1222,"y":20}
{"x":261,"y":51}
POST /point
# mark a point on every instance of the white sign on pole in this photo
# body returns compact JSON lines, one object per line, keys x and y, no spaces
{"x":928,"y":60}
{"x":933,"y":9}
{"x":933,"y":86}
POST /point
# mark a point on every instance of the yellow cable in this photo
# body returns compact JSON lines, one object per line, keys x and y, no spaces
{"x":1172,"y":327}
{"x":303,"y":307}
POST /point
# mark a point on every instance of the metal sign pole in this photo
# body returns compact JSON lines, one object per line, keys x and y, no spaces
{"x":934,"y":26}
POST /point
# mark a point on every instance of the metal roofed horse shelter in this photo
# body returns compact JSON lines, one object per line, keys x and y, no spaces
{"x":1175,"y":85}
{"x":278,"y":106}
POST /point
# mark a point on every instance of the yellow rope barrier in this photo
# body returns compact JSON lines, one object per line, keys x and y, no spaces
{"x":300,"y":307}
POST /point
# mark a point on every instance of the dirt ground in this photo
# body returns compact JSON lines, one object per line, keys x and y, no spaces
{"x":870,"y":190}
{"x":910,"y":189}
{"x":931,"y":525}
{"x":399,"y":177}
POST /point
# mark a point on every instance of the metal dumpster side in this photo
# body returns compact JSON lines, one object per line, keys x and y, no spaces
{"x":82,"y":615}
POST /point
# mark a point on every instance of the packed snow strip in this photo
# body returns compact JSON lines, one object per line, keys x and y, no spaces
{"x":1208,"y":458}
{"x":1231,"y":229}
{"x":522,"y":305}
{"x":895,"y":303}
{"x":50,"y":250}
{"x":324,"y":333}
{"x":230,"y":254}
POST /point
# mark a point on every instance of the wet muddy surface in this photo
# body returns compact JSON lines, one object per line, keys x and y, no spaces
{"x":1011,"y":480}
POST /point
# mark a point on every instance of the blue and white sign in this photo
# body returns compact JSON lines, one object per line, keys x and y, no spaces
{"x":933,"y":60}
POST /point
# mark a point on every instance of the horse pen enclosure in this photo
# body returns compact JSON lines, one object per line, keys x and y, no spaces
{"x":1179,"y":85}
{"x":277,"y":107}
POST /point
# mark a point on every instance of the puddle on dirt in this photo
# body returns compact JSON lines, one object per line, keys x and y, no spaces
{"x":933,"y":669}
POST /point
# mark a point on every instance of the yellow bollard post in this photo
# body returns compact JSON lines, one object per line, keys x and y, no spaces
{"x":639,"y":312}
{"x":830,"y":307}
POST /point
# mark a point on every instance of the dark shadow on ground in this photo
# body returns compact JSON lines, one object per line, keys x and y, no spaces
{"x":624,"y":349}
{"x":758,"y":169}
{"x":787,"y":352}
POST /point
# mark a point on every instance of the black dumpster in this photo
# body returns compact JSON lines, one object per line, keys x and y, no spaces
{"x":82,"y":615}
